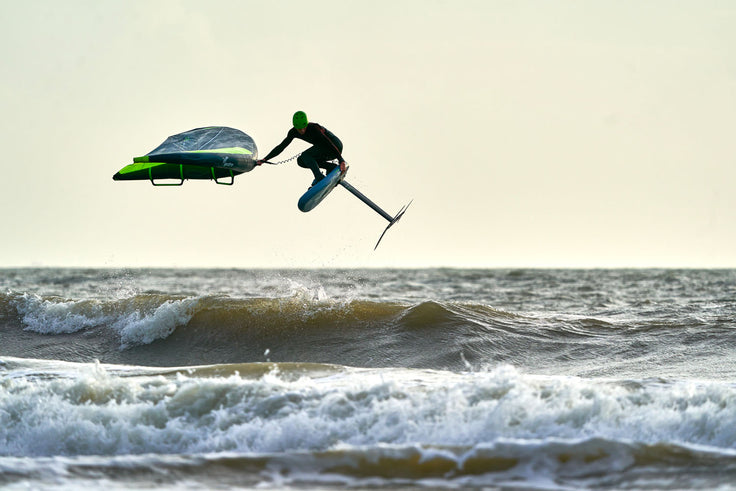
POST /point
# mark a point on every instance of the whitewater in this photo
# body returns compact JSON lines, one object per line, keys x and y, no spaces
{"x":410,"y":379}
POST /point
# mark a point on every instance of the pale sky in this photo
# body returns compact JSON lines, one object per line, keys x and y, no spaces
{"x":528,"y":133}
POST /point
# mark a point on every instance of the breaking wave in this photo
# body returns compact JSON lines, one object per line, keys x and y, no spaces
{"x":328,"y":420}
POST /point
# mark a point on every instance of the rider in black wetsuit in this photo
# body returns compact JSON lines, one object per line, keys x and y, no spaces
{"x":325,"y":147}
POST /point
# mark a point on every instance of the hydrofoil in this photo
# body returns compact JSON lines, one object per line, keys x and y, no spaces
{"x":321,"y":189}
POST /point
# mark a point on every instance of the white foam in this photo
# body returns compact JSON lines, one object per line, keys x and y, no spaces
{"x":58,"y":316}
{"x":137,"y":320}
{"x":137,"y":327}
{"x":92,"y":411}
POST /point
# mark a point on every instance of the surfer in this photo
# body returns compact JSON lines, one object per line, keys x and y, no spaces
{"x":325,"y":147}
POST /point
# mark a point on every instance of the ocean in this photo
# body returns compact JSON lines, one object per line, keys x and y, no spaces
{"x":367,"y":379}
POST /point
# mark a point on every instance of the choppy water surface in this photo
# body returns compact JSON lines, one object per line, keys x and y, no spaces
{"x":368,"y":378}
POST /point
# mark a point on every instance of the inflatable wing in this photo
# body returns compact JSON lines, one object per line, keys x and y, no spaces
{"x":216,"y":152}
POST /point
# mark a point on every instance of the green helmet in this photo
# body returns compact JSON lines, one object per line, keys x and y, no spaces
{"x":300,"y":120}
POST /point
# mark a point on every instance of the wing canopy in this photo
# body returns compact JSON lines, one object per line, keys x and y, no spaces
{"x":203,"y":153}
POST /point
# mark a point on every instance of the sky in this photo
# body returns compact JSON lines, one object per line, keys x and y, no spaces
{"x":527,"y":133}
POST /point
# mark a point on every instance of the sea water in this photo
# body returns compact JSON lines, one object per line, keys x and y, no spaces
{"x":429,"y":378}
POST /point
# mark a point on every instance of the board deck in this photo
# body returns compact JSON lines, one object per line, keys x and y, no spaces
{"x":319,"y":191}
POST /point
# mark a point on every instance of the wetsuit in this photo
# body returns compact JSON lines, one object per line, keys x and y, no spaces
{"x":325,"y":147}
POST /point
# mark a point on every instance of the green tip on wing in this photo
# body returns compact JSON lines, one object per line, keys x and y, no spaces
{"x":139,"y":164}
